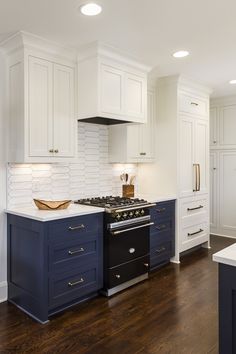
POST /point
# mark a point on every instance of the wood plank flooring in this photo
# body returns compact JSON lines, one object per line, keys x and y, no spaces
{"x":174,"y":312}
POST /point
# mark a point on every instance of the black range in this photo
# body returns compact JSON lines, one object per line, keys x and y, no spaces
{"x":126,"y":240}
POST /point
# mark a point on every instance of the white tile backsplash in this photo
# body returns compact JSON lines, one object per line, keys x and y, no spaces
{"x":90,"y":176}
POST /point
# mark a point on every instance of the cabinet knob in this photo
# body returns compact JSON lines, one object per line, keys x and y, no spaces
{"x":214,"y":141}
{"x":51,"y":150}
{"x":117,"y":276}
{"x":214,"y":168}
{"x":146,"y":265}
{"x":56,"y":151}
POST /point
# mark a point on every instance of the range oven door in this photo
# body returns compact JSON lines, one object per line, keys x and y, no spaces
{"x":127,"y":243}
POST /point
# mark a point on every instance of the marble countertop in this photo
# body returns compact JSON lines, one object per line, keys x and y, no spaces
{"x":226,"y":256}
{"x":48,"y":215}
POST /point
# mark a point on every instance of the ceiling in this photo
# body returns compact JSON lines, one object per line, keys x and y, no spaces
{"x":150,"y":30}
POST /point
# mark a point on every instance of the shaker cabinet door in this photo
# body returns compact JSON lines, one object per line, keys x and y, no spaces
{"x":63,"y":111}
{"x":40,"y":119}
{"x":112,"y":91}
{"x":186,"y":173}
{"x":135,"y":97}
{"x":202,"y":154}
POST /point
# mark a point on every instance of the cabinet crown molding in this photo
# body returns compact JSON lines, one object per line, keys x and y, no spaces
{"x":28,"y":40}
{"x":99,"y":49}
{"x":184,"y":83}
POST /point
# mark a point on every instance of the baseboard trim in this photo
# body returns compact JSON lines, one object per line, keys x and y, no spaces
{"x":227,"y":236}
{"x":3,"y":291}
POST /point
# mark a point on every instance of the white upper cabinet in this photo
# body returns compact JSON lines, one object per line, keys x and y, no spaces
{"x":111,"y":86}
{"x":134,"y":143}
{"x":40,"y":107}
{"x":64,"y":110}
{"x":214,"y":138}
{"x":223,"y":123}
{"x":227,"y":126}
{"x":41,"y":90}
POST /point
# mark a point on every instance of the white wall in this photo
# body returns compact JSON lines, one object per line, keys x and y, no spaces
{"x":3,"y":248}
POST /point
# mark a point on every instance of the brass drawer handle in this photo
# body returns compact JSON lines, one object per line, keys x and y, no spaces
{"x":72,"y":228}
{"x":195,"y":233}
{"x":76,"y":282}
{"x":194,"y":104}
{"x":161,"y":227}
{"x":161,"y":210}
{"x":199,"y":207}
{"x":142,"y":153}
{"x":76,"y":251}
{"x":159,"y":250}
{"x":51,"y":150}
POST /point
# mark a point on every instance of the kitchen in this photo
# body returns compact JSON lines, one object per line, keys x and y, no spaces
{"x":88,"y":122}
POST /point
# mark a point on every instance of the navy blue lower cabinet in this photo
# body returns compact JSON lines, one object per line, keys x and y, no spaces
{"x":227,"y":309}
{"x":53,"y":265}
{"x":162,"y":234}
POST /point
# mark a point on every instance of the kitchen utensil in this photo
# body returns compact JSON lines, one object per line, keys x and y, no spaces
{"x":132,"y":178}
{"x":126,"y":177}
{"x":52,"y":205}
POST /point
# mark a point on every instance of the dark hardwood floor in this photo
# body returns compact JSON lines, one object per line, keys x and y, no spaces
{"x":174,"y":312}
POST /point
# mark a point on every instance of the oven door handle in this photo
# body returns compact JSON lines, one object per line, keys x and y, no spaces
{"x":131,"y":228}
{"x":136,"y":207}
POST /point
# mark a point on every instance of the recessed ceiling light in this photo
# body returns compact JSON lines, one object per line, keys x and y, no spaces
{"x":181,"y":54}
{"x":90,"y":9}
{"x":232,"y":82}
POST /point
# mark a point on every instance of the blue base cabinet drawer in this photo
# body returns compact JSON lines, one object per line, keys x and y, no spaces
{"x":160,"y":254}
{"x":162,"y":233}
{"x":53,"y":264}
{"x":66,"y":287}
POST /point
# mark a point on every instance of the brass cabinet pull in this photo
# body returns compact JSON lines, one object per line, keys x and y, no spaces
{"x":76,"y":282}
{"x":51,"y":150}
{"x":76,"y":251}
{"x":195,"y":233}
{"x":194,"y":104}
{"x":161,"y":210}
{"x":161,"y":227}
{"x":142,"y":153}
{"x":199,"y":207}
{"x":214,"y":141}
{"x":72,"y":228}
{"x":56,"y":151}
{"x":197,"y":186}
{"x":159,"y":250}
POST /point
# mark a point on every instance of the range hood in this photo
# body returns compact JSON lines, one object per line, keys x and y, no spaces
{"x":103,"y":121}
{"x":112,"y":87}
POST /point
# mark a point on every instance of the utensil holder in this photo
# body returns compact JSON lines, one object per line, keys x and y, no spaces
{"x":128,"y":190}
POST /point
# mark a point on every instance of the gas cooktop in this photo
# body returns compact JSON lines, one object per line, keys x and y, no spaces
{"x":110,"y":202}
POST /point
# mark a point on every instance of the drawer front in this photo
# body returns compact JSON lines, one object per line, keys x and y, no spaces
{"x":193,"y":105}
{"x":163,"y":210}
{"x":161,"y":227}
{"x":160,"y":254}
{"x":160,"y":237}
{"x":74,"y":285}
{"x":127,"y":271}
{"x":193,"y":235}
{"x":71,"y":254}
{"x":73,"y":228}
{"x":193,"y":211}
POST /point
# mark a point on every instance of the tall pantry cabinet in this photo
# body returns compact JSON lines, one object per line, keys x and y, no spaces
{"x":182,"y":162}
{"x":223,"y":166}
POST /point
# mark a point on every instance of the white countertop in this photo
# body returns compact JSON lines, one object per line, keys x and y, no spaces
{"x":155,"y":198}
{"x":226,"y":256}
{"x":48,"y":215}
